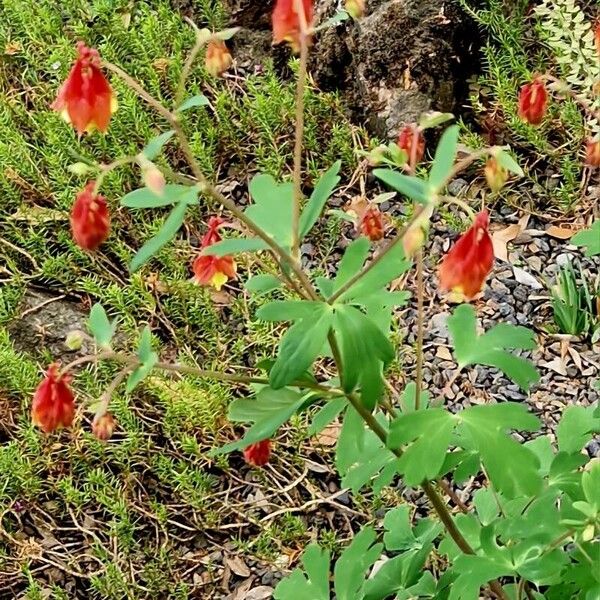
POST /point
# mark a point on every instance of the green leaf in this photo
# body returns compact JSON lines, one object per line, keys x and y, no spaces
{"x":199,"y":100}
{"x":313,"y":585}
{"x":589,"y":238}
{"x":272,"y":208}
{"x":486,"y":505}
{"x":166,"y":234}
{"x":147,"y":357}
{"x":155,"y":145}
{"x":318,"y":198}
{"x":576,"y":427}
{"x":390,"y":267}
{"x":444,"y":159}
{"x":506,"y":161}
{"x":365,"y":350}
{"x":235,"y":246}
{"x":301,"y":345}
{"x":354,"y":258}
{"x":350,"y":568}
{"x":413,"y":187}
{"x":172,"y":194}
{"x":268,"y":411}
{"x":474,"y":572}
{"x":434,"y":119}
{"x":262,"y":284}
{"x":100,"y":327}
{"x":409,"y":397}
{"x":399,"y":534}
{"x":490,"y":348}
{"x":289,"y":310}
{"x":326,"y":415}
{"x":430,"y":432}
{"x":590,"y":482}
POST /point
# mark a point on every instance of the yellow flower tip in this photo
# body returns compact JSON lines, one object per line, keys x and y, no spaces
{"x":114,"y":104}
{"x":218,"y":280}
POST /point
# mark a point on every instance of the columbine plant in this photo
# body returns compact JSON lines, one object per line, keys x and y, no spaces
{"x":531,"y":529}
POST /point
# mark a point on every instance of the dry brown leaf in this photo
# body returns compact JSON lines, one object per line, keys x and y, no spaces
{"x":443,"y":353}
{"x":329,"y":435}
{"x":238,"y":566}
{"x":501,"y":238}
{"x":560,"y":233}
{"x":557,"y":365}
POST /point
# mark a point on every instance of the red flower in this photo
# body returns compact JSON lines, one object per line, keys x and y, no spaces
{"x":413,"y":145}
{"x":213,"y":270}
{"x":258,"y":454}
{"x":466,"y":267}
{"x":597,"y":35}
{"x":592,"y":153}
{"x":533,"y":102}
{"x":218,"y":58}
{"x":288,"y":24}
{"x":103,"y":426}
{"x":53,"y":402}
{"x":86,"y":99}
{"x":371,"y":223}
{"x":90,"y":221}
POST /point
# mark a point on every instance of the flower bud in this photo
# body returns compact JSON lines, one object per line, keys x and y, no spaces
{"x":258,"y":454}
{"x":592,"y":153}
{"x":415,"y":236}
{"x":154,"y":180}
{"x":103,"y":426}
{"x":371,"y":223}
{"x":90,"y":219}
{"x":495,"y":174}
{"x":74,"y":339}
{"x":376,"y":156}
{"x":218,"y":58}
{"x":533,"y":102}
{"x":355,"y":8}
{"x":411,"y":140}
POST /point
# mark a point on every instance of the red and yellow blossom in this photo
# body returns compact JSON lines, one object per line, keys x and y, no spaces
{"x":468,"y":263}
{"x":533,"y":102}
{"x":86,"y":99}
{"x":209,"y":269}
{"x":292,"y":19}
{"x":495,"y":174}
{"x":53,"y":401}
{"x":258,"y":454}
{"x":90,"y":219}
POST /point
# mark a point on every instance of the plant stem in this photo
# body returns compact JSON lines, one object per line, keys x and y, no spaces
{"x":436,"y":500}
{"x":110,"y":390}
{"x":420,"y":329}
{"x":206,"y":186}
{"x":299,"y":138}
{"x":389,"y":246}
{"x":187,"y":67}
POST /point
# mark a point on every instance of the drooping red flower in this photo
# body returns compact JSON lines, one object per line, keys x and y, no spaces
{"x":371,"y":223}
{"x":468,"y":263}
{"x":258,"y":454}
{"x":218,"y":58}
{"x":592,"y":153}
{"x":288,"y":22}
{"x":103,"y":426}
{"x":597,"y":35}
{"x":86,"y":99}
{"x":90,"y":220}
{"x":411,"y":140}
{"x":209,"y":269}
{"x":214,"y":270}
{"x":53,"y":402}
{"x":533,"y":102}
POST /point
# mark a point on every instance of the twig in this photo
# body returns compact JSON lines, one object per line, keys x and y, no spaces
{"x":420,"y":329}
{"x":299,"y":138}
{"x":187,"y":67}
